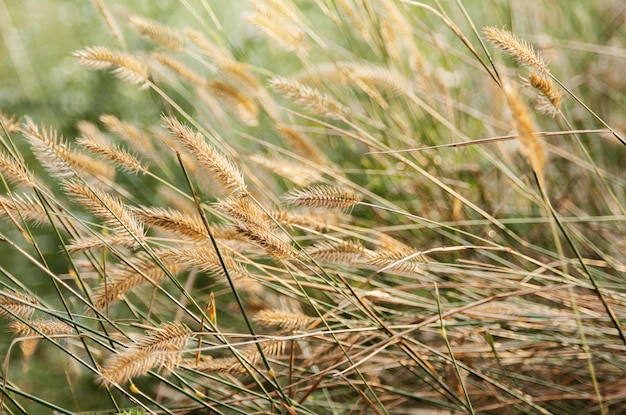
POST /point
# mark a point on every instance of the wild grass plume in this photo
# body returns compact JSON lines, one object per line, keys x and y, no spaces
{"x":265,"y":206}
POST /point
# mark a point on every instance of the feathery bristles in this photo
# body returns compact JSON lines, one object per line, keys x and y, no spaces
{"x":127,"y":67}
{"x":244,"y":210}
{"x":15,"y":170}
{"x":239,"y":73}
{"x":223,"y":168}
{"x":177,"y":222}
{"x":308,"y":97}
{"x":550,"y":101}
{"x":209,"y":48}
{"x":322,"y":197}
{"x":383,"y":79}
{"x":397,"y":31}
{"x":245,"y":108}
{"x":103,"y":148}
{"x":204,"y":258}
{"x":286,"y":320}
{"x":158,"y":33}
{"x":308,"y":219}
{"x":283,"y":32}
{"x":33,"y":327}
{"x":301,"y":144}
{"x":227,"y":66}
{"x":181,"y":69}
{"x":159,"y":347}
{"x":122,"y":279}
{"x":11,"y":124}
{"x":356,"y":19}
{"x":397,"y":261}
{"x":138,"y":140}
{"x":21,"y":305}
{"x":25,"y":207}
{"x":255,"y":226}
{"x":111,"y":24}
{"x":531,"y":146}
{"x":250,"y":356}
{"x":338,"y":252}
{"x":517,"y":48}
{"x":266,"y":239}
{"x":296,"y":172}
{"x":89,"y":243}
{"x":105,"y":206}
{"x":55,"y":154}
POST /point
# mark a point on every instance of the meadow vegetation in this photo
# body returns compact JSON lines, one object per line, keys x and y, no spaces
{"x":317,"y":207}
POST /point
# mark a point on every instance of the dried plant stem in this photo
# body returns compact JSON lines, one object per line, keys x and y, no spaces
{"x":225,"y":170}
{"x":159,"y":347}
{"x":323,"y":197}
{"x":531,"y":146}
{"x":127,"y":67}
{"x":518,"y":48}
{"x":308,"y":97}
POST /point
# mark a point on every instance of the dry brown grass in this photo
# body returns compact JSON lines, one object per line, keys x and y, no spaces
{"x":345,"y":229}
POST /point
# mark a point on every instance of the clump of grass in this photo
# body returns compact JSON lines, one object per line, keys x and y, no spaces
{"x":344,"y":225}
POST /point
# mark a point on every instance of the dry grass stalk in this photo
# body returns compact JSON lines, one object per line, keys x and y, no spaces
{"x":10,"y":123}
{"x":55,"y":154}
{"x":103,"y":148}
{"x":33,"y":327}
{"x":122,"y":279}
{"x":225,"y":170}
{"x":245,"y":108}
{"x":89,"y":243}
{"x":517,"y":48}
{"x":308,"y":97}
{"x":21,"y":305}
{"x":356,"y":20}
{"x":255,"y":226}
{"x":127,"y":67}
{"x":267,"y":240}
{"x":110,"y":22}
{"x":550,"y":101}
{"x":339,"y":252}
{"x":323,"y":197}
{"x":177,"y":222}
{"x":531,"y":146}
{"x":295,"y":172}
{"x":396,"y":27}
{"x":181,"y":69}
{"x":276,"y":28}
{"x":233,"y":365}
{"x":307,"y":219}
{"x":158,"y":33}
{"x":23,"y":206}
{"x":244,"y":210}
{"x":138,"y":140}
{"x":288,"y":321}
{"x":397,"y":261}
{"x":204,"y":258}
{"x":383,"y":79}
{"x":105,"y":206}
{"x":15,"y":170}
{"x":301,"y":144}
{"x":209,"y":48}
{"x":389,"y":243}
{"x":240,"y":74}
{"x":159,"y":347}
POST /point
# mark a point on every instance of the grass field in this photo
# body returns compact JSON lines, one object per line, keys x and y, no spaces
{"x":313,"y":207}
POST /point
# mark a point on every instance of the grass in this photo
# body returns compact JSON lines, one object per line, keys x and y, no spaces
{"x":346,"y":207}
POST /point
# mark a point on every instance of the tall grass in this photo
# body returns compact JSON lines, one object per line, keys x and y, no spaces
{"x":377,"y":207}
